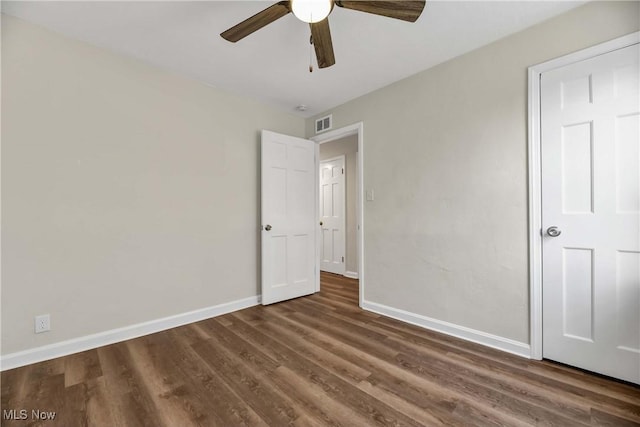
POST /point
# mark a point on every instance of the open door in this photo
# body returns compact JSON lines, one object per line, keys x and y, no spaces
{"x":288,"y":217}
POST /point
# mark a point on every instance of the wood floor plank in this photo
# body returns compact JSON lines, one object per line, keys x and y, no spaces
{"x":251,"y":388}
{"x":75,"y":404}
{"x":421,"y":414}
{"x":449,"y":406}
{"x":332,"y":384}
{"x":518,"y":408}
{"x":313,"y":361}
{"x":98,"y":404}
{"x":81,"y":367}
{"x":601,"y":418}
{"x":158,"y":369}
{"x":621,"y":398}
{"x":318,"y":406}
{"x":506,"y":385}
{"x":14,"y":386}
{"x":276,"y":325}
{"x":131,"y":401}
{"x":342,"y":367}
{"x":45,"y":393}
{"x":444,"y":400}
{"x":225,"y":407}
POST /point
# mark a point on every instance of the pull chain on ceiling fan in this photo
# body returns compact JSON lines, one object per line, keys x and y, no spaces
{"x":316,"y":12}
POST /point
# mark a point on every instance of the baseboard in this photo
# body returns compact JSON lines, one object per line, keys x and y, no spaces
{"x":64,"y":348}
{"x":479,"y":337}
{"x":350,"y":274}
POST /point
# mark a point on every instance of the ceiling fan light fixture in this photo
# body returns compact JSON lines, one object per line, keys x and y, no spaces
{"x":311,"y":11}
{"x":315,"y":13}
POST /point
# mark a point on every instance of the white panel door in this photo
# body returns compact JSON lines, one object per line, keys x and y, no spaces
{"x":591,"y":195}
{"x":288,"y":217}
{"x":332,"y":215}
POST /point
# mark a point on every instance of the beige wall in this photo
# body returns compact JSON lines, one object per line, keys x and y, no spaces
{"x":446,"y":153}
{"x":348,"y":147}
{"x":128,"y":193}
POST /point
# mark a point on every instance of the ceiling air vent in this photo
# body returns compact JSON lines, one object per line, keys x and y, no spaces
{"x":323,"y":123}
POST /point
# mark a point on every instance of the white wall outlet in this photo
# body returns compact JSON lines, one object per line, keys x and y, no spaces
{"x":43,"y":323}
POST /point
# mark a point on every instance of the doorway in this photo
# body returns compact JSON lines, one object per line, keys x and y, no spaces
{"x":347,"y":142}
{"x":585,"y":217}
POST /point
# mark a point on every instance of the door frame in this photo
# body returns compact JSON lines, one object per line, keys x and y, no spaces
{"x":535,"y":175}
{"x":354,"y":129}
{"x":344,"y":209}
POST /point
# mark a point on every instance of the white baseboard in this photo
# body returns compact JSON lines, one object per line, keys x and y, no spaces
{"x":479,"y":337}
{"x":350,"y":274}
{"x":75,"y":345}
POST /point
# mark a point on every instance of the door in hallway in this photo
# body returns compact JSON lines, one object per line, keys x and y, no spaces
{"x":332,"y":215}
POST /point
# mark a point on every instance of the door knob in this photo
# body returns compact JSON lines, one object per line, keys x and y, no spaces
{"x":553,"y":231}
{"x":267,"y":227}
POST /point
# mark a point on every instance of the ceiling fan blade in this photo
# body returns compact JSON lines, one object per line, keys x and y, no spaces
{"x":321,"y":35}
{"x":256,"y":22}
{"x":407,"y":10}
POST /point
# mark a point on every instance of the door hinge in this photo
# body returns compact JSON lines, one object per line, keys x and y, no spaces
{"x":342,"y":259}
{"x":342,"y":171}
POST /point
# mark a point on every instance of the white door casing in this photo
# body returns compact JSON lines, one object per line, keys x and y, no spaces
{"x":590,"y":157}
{"x":332,"y":215}
{"x":288,"y":181}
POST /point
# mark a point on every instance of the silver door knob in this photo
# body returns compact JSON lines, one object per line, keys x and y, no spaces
{"x":267,"y":227}
{"x":553,"y":231}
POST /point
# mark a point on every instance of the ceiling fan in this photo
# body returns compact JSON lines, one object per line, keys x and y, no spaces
{"x":316,"y":13}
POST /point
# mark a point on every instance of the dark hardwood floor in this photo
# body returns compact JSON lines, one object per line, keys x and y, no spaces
{"x":313,"y":361}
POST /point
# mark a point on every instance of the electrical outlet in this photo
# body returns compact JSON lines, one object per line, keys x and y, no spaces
{"x":43,"y":323}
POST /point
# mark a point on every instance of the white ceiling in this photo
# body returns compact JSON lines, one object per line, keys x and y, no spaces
{"x":271,"y":65}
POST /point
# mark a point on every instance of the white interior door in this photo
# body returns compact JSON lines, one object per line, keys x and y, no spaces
{"x":332,"y":215}
{"x":288,"y":217}
{"x":591,"y":195}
